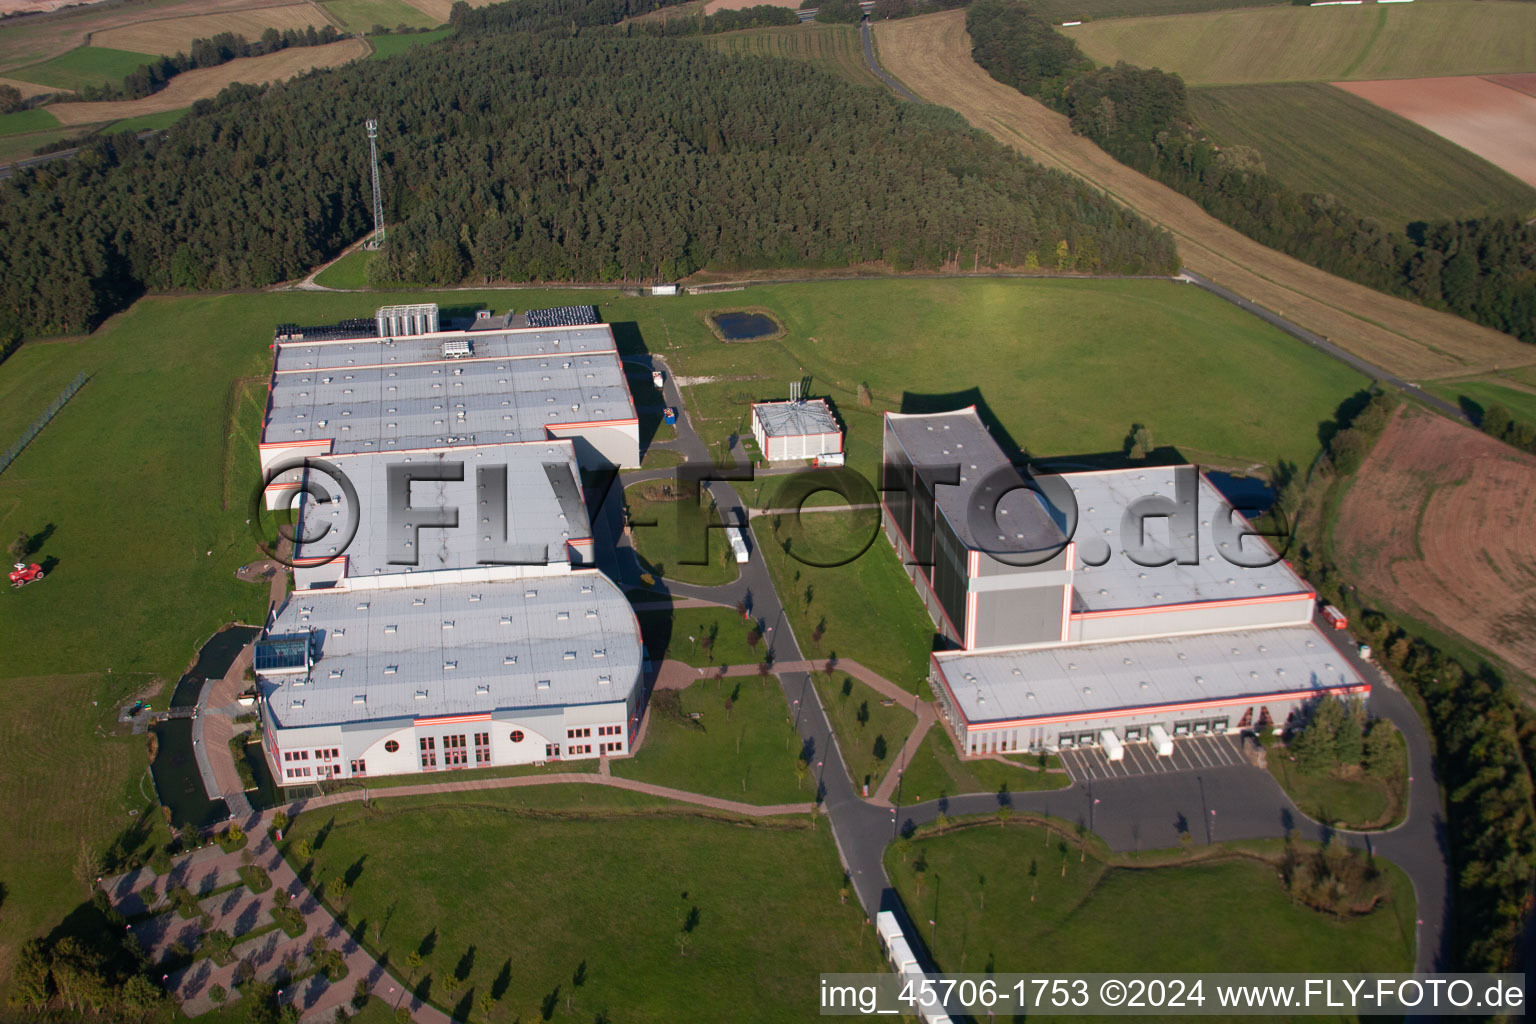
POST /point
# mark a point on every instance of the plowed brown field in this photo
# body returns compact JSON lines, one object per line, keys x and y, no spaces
{"x":204,"y":83}
{"x":1439,"y":524}
{"x":932,"y":56}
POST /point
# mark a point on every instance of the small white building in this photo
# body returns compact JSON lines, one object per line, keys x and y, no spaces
{"x":805,"y":429}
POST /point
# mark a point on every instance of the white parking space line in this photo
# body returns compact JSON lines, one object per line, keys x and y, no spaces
{"x":1190,"y":753}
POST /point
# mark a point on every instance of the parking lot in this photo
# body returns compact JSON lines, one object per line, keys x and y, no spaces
{"x":1190,"y":753}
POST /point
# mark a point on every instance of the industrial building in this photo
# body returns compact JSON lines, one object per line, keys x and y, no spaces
{"x":445,"y":613}
{"x":1057,"y":633}
{"x":462,"y":675}
{"x":797,"y":429}
{"x":350,"y":388}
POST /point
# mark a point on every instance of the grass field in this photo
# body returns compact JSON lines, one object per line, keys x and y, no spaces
{"x":683,"y":544}
{"x":932,"y":55}
{"x":85,"y":65}
{"x":846,"y":700}
{"x":1083,"y":10}
{"x":172,"y":35}
{"x":866,"y":607}
{"x":204,"y":83}
{"x":23,"y":121}
{"x":745,"y":752}
{"x":145,"y":122}
{"x":702,"y":637}
{"x":937,"y":771}
{"x":1018,"y":899}
{"x":351,"y":271}
{"x":1356,"y":800}
{"x":833,"y":48}
{"x":362,"y":15}
{"x":388,"y":46}
{"x":1316,"y":138}
{"x":1322,"y":44}
{"x":1483,"y":394}
{"x":17,"y":147}
{"x":667,"y":917}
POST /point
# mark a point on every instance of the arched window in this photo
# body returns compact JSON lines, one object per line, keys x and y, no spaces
{"x":517,"y":735}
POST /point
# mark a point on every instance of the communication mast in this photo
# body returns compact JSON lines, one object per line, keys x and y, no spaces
{"x":377,"y":242}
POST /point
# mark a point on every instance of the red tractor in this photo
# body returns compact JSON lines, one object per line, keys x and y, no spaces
{"x":22,"y":574}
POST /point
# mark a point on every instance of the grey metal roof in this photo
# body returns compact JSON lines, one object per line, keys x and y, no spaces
{"x":468,"y":648}
{"x":1082,"y":680}
{"x":442,"y":403}
{"x":544,"y":508}
{"x":486,"y":344}
{"x":796,"y":419}
{"x":960,"y":438}
{"x":1103,"y":497}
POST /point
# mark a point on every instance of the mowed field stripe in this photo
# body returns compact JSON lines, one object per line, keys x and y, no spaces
{"x":931,"y":54}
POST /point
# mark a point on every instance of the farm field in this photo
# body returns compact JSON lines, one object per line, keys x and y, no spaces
{"x":26,"y":121}
{"x":1483,"y":393}
{"x":361,"y":15}
{"x":88,"y":65}
{"x":1041,"y":907}
{"x":1317,"y":138}
{"x":388,"y":46}
{"x":656,"y":925}
{"x":437,"y":10}
{"x":17,"y":147}
{"x":1311,"y":44}
{"x":27,"y":89}
{"x":931,"y":54}
{"x":833,"y":48}
{"x":1495,"y":121}
{"x":711,"y":6}
{"x":170,"y":35}
{"x":204,"y":83}
{"x":145,"y":122}
{"x":1080,"y":10}
{"x":1469,"y":563}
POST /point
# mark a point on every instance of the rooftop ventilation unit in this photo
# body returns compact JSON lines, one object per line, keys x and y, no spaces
{"x":459,"y":348}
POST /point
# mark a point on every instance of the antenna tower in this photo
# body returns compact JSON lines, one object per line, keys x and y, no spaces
{"x":377,"y":241}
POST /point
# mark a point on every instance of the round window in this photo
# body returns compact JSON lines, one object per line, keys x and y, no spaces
{"x":517,"y":735}
{"x":390,"y":746}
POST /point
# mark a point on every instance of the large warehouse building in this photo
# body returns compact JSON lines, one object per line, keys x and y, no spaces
{"x":1058,"y":633}
{"x":445,"y":613}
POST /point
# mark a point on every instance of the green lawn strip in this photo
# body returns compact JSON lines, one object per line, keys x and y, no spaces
{"x":1353,"y":799}
{"x":847,"y":701}
{"x":507,"y":771}
{"x":389,"y":45}
{"x":1481,"y":395}
{"x":1317,"y":138}
{"x":702,"y":637}
{"x":1026,"y":898}
{"x":744,"y":752}
{"x":937,"y":771}
{"x":82,"y":66}
{"x":148,"y":122}
{"x":349,"y":272}
{"x":363,"y":15}
{"x":645,"y":919}
{"x":680,"y":532}
{"x":37,"y":119}
{"x":866,"y":608}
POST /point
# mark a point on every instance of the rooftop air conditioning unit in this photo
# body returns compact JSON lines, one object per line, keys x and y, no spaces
{"x":459,"y":348}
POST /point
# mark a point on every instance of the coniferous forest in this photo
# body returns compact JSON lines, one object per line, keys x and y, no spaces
{"x":1483,"y":269}
{"x":604,"y":156}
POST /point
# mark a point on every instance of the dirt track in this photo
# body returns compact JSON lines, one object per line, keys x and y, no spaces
{"x":207,"y":82}
{"x":931,"y":55}
{"x":1468,"y":566}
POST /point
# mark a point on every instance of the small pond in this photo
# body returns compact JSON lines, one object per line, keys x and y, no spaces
{"x":741,"y":326}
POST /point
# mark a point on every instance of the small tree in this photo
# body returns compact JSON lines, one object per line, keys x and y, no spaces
{"x":847,"y":690}
{"x":879,"y":748}
{"x":413,"y":964}
{"x":217,"y":994}
{"x":1381,"y":758}
{"x":862,"y":715}
{"x":19,"y":546}
{"x":336,"y":889}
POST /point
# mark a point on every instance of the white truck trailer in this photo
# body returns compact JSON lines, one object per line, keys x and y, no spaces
{"x":1114,"y":750}
{"x":1161,"y":741}
{"x":738,"y":540}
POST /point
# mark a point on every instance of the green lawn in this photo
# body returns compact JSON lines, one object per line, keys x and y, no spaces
{"x":35,"y":120}
{"x":846,"y":700}
{"x":351,"y":271}
{"x":1316,"y":138}
{"x":1013,"y":900}
{"x":1483,"y":395}
{"x":719,"y":636}
{"x":361,"y":15}
{"x":680,"y":539}
{"x":146,"y":122}
{"x":1323,"y":44}
{"x":18,"y":147}
{"x":82,"y":66}
{"x":637,"y":915}
{"x":746,"y":752}
{"x":1086,"y":10}
{"x":865,"y":609}
{"x":937,"y":771}
{"x":1353,"y":800}
{"x":388,"y":46}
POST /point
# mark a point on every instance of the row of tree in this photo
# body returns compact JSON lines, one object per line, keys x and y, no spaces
{"x":147,"y":79}
{"x":542,"y":158}
{"x":93,"y":964}
{"x":1482,"y":269}
{"x":1499,"y":422}
{"x":1338,"y":734}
